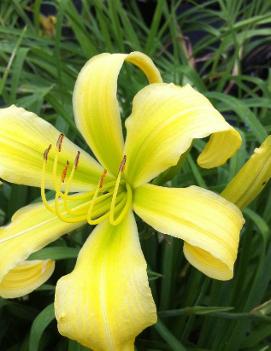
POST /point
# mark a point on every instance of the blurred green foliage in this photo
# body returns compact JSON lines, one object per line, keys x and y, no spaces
{"x":221,"y":47}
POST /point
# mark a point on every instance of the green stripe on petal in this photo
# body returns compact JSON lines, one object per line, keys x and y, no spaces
{"x":208,"y":223}
{"x":96,"y":107}
{"x":32,"y":227}
{"x":26,"y":277}
{"x":106,"y":301}
{"x":164,"y":121}
{"x":23,"y":139}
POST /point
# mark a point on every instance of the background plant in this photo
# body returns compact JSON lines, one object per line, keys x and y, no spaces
{"x":221,"y":47}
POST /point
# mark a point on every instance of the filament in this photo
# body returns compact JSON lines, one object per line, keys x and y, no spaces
{"x":112,"y":219}
{"x":43,"y":175}
{"x":57,"y":183}
{"x":96,"y":205}
{"x":93,"y":201}
{"x":125,"y":210}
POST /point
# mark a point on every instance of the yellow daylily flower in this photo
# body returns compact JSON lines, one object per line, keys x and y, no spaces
{"x":106,"y":301}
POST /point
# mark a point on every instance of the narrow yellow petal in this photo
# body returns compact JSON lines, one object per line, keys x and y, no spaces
{"x":252,"y":177}
{"x":31,"y":228}
{"x":164,"y":121}
{"x":23,"y":139}
{"x":106,"y":301}
{"x":26,"y":277}
{"x":96,"y":106}
{"x":209,"y":224}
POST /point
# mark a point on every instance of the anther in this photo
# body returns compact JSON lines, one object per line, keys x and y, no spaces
{"x":46,"y":152}
{"x":64,"y":172}
{"x":59,"y":142}
{"x":101,"y":183}
{"x":76,"y":160}
{"x":122,"y":164}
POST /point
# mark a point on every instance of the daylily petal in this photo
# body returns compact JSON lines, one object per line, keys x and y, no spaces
{"x":164,"y":121}
{"x":252,"y":177}
{"x":23,"y":139}
{"x":204,"y":220}
{"x":96,"y":108}
{"x":106,"y":301}
{"x":26,"y":277}
{"x":31,"y":228}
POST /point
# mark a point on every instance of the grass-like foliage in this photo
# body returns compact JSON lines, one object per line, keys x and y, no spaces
{"x":222,"y":48}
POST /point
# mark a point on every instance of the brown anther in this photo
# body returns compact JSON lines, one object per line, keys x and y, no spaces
{"x":101,"y":184}
{"x":76,"y":160}
{"x":59,"y":142}
{"x":122,"y":164}
{"x":46,"y":152}
{"x":64,"y":172}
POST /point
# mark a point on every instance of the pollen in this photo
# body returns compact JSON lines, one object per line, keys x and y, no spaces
{"x":76,"y":161}
{"x":64,"y":172}
{"x":60,"y":205}
{"x":122,"y":164}
{"x":60,"y":142}
{"x":108,"y":199}
{"x":46,"y":152}
{"x":102,"y":179}
{"x":113,"y":206}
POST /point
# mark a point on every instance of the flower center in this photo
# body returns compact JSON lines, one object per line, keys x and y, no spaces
{"x":111,"y":199}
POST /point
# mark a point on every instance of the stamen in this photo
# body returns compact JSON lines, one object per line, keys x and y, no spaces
{"x":125,"y":210}
{"x":102,"y":179}
{"x":69,"y":181}
{"x":57,"y":183}
{"x":58,"y":150}
{"x":42,"y":185}
{"x":76,"y":161}
{"x":96,"y":205}
{"x":93,"y":201}
{"x":112,"y":219}
{"x":59,"y":142}
{"x":122,"y":164}
{"x":46,"y":152}
{"x":57,"y":210}
{"x":65,"y":197}
{"x":64,"y":172}
{"x":61,"y":215}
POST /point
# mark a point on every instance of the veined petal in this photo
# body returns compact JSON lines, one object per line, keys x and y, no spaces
{"x":26,"y":277}
{"x":96,"y":108}
{"x":164,"y":121}
{"x":23,"y":139}
{"x":31,"y":228}
{"x":252,"y":177}
{"x":209,"y":224}
{"x":106,"y":301}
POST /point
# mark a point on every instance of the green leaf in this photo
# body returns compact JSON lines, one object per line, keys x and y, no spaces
{"x":41,"y":322}
{"x":55,"y":253}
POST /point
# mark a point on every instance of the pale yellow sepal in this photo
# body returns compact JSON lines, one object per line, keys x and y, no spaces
{"x":26,"y":277}
{"x":252,"y":177}
{"x":23,"y":139}
{"x":31,"y":228}
{"x":106,"y":301}
{"x":164,"y":121}
{"x":146,"y":65}
{"x":96,"y":107}
{"x":206,"y":263}
{"x":208,"y":223}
